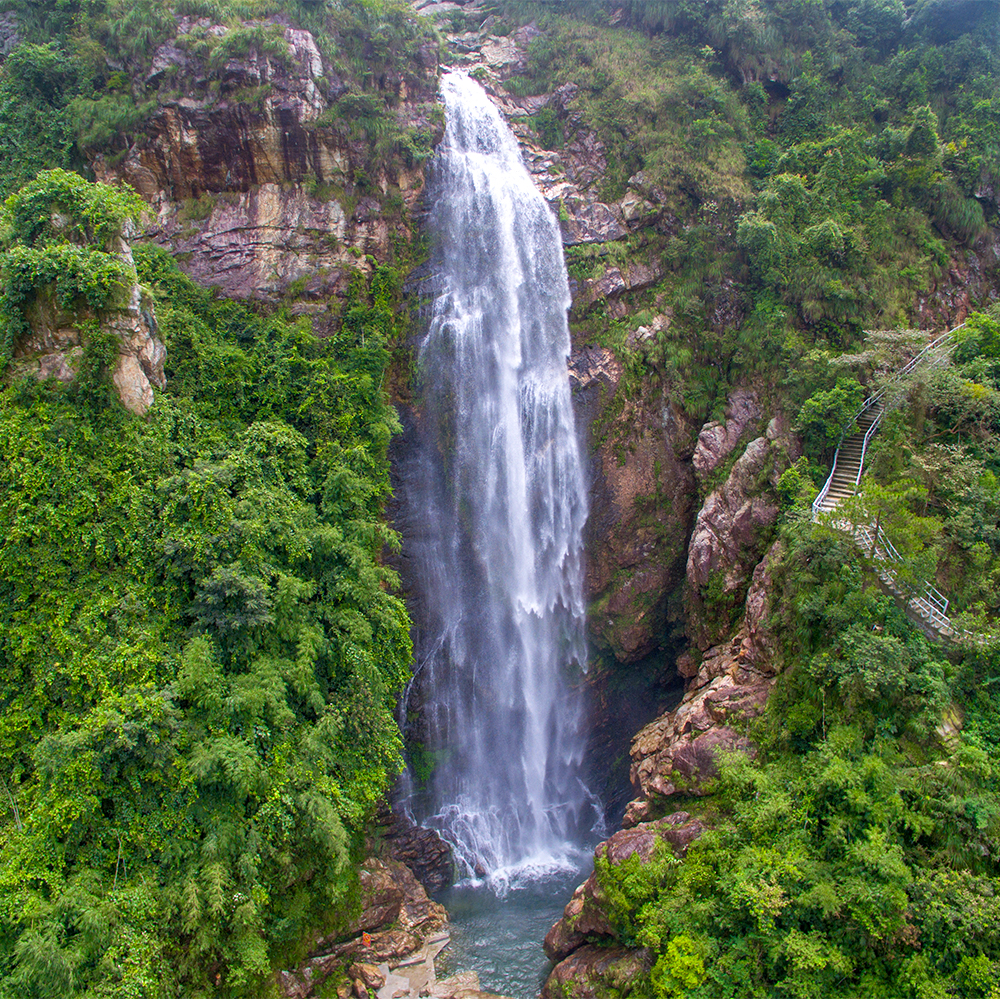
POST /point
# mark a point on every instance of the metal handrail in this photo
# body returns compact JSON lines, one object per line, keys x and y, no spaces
{"x":906,"y":369}
{"x":931,"y":604}
{"x":934,"y":345}
{"x":934,"y":596}
{"x":817,"y":503}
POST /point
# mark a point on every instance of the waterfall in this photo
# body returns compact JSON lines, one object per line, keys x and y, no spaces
{"x":499,"y":495}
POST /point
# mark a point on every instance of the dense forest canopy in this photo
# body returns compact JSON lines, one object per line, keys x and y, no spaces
{"x":201,"y":652}
{"x":202,"y":647}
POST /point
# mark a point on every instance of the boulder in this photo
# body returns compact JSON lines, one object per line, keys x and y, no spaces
{"x":370,"y":976}
{"x":398,"y":928}
{"x":593,"y":971}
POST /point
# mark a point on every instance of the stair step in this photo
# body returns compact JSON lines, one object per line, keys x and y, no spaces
{"x":843,"y":483}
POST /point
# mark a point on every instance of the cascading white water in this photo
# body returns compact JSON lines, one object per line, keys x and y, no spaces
{"x":500,"y":497}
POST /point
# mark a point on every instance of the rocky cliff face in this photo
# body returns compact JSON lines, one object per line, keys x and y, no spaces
{"x":674,"y":756}
{"x":388,"y":949}
{"x":642,"y":494}
{"x":261,"y":181}
{"x":733,"y":527}
{"x":673,"y":760}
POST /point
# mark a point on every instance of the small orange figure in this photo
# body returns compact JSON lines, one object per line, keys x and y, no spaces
{"x":366,"y":939}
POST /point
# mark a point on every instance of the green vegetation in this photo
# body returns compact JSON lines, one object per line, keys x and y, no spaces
{"x":856,"y":854}
{"x":57,"y":236}
{"x":201,"y":651}
{"x":850,"y":148}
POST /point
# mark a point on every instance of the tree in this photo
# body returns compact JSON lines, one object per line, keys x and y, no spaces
{"x":889,"y":510}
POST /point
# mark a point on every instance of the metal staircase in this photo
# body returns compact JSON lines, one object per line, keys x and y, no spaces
{"x":848,"y":463}
{"x":926,"y":603}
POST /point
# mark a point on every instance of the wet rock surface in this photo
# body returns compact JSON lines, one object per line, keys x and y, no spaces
{"x":422,"y":850}
{"x":585,"y":918}
{"x":641,"y":508}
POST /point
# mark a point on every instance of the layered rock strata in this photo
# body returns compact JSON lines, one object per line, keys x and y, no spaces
{"x":255,"y":176}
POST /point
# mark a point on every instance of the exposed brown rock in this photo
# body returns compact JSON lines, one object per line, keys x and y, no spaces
{"x":256,"y":167}
{"x":609,"y":287}
{"x":716,"y":440}
{"x":368,"y":975}
{"x":402,"y":924}
{"x":641,"y":499}
{"x":383,"y":889}
{"x":394,"y":943}
{"x":54,"y":347}
{"x":731,"y":531}
{"x":592,"y":971}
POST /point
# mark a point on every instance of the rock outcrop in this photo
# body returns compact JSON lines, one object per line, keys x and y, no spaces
{"x":590,"y":960}
{"x":593,"y":971}
{"x":388,"y":949}
{"x":676,"y":754}
{"x":422,"y":850}
{"x":55,"y":346}
{"x":716,"y":439}
{"x":732,"y":530}
{"x":641,"y":507}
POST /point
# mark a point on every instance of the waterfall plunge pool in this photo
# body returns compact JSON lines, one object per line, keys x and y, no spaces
{"x":498,"y":924}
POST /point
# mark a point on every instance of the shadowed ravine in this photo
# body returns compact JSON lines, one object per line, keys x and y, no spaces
{"x":498,"y":492}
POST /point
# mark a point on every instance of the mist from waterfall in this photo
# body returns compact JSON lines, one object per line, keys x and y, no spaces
{"x":499,"y":493}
